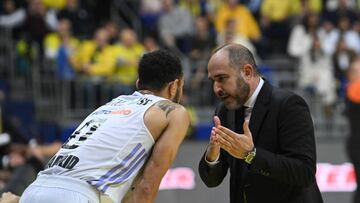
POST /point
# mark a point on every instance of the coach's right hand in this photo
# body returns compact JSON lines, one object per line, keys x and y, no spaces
{"x":213,"y":150}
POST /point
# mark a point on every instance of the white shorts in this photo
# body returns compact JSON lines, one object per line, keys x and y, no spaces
{"x":59,"y":189}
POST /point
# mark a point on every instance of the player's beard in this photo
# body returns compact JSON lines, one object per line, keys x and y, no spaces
{"x":177,"y":97}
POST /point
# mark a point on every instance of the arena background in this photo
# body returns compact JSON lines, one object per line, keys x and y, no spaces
{"x":47,"y":87}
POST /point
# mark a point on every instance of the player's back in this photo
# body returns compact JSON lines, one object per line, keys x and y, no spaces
{"x":109,"y":147}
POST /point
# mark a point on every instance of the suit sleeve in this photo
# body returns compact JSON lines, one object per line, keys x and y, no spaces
{"x":294,"y":163}
{"x":213,"y":175}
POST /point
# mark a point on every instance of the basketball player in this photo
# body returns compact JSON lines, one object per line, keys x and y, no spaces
{"x":123,"y":148}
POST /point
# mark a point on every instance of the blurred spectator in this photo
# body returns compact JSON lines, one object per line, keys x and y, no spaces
{"x":356,"y":26}
{"x":341,"y":8}
{"x":63,"y":36}
{"x":316,"y":70}
{"x":275,"y":23}
{"x":113,"y":29}
{"x":150,"y":44}
{"x":342,"y":59}
{"x":212,"y":7}
{"x":176,"y":26}
{"x":150,"y":11}
{"x":245,"y":22}
{"x":306,"y":7}
{"x":57,"y":5}
{"x":60,"y":46}
{"x":35,"y":25}
{"x":95,"y":57}
{"x":351,"y":38}
{"x":332,"y":36}
{"x":327,"y":34}
{"x":12,"y":15}
{"x":150,"y":7}
{"x":194,"y":6}
{"x":16,"y":156}
{"x":34,"y":159}
{"x":353,"y":114}
{"x":79,"y":17}
{"x":127,"y":54}
{"x":203,"y":43}
{"x":253,"y":5}
{"x":311,"y":6}
{"x":231,"y":36}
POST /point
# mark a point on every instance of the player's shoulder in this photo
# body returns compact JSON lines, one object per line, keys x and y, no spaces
{"x":168,"y":106}
{"x":165,"y":113}
{"x":172,"y":110}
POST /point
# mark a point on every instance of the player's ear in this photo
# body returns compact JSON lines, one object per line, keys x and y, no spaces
{"x":137,"y":84}
{"x":173,"y":86}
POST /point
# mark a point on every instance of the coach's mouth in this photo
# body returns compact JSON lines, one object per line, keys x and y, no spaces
{"x":223,"y":98}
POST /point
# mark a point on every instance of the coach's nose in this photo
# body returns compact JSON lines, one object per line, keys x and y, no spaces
{"x":217,"y":88}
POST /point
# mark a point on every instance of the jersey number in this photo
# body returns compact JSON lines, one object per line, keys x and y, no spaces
{"x":82,"y":133}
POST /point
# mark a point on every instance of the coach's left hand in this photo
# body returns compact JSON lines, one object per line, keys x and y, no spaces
{"x":237,"y":145}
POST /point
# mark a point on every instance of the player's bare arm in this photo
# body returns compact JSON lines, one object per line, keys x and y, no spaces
{"x":157,"y":117}
{"x":164,"y":151}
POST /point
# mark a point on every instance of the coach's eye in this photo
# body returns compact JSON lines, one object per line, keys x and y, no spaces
{"x":221,"y":79}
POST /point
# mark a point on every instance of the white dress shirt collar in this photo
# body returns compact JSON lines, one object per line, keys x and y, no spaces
{"x":251,"y":101}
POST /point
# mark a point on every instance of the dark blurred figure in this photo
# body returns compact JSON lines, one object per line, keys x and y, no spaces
{"x":35,"y":26}
{"x":342,"y":10}
{"x":176,"y":26}
{"x":114,"y":30}
{"x":11,"y":15}
{"x":21,"y":158}
{"x":276,"y":24}
{"x":79,"y":17}
{"x":203,"y":43}
{"x":353,"y":113}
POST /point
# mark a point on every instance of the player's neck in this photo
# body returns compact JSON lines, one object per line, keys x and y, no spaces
{"x":162,"y":93}
{"x":146,"y":92}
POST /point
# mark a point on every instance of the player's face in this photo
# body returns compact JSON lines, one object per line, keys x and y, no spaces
{"x":228,"y":83}
{"x":179,"y":91}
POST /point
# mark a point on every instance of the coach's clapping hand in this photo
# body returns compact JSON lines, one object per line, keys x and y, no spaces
{"x":238,"y":145}
{"x":213,"y":150}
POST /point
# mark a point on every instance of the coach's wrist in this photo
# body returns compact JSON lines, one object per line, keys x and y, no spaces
{"x":250,"y":156}
{"x":212,"y":154}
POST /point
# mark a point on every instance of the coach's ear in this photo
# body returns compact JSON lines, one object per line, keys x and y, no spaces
{"x":137,"y":84}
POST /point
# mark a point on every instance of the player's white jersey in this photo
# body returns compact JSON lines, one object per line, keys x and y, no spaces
{"x":109,"y":147}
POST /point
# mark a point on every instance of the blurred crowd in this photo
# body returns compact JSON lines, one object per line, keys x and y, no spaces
{"x":85,"y":40}
{"x":101,"y":42}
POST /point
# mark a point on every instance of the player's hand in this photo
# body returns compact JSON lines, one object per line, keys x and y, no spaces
{"x":238,"y":145}
{"x":8,"y":197}
{"x":214,"y":147}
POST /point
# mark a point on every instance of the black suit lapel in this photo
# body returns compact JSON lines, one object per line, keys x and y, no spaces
{"x":260,"y":109}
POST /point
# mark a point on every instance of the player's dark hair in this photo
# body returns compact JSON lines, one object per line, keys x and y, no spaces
{"x":158,"y":68}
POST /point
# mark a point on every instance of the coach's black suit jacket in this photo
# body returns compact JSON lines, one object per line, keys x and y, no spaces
{"x":285,"y":164}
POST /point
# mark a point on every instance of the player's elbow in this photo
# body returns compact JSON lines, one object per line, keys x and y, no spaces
{"x":145,"y":193}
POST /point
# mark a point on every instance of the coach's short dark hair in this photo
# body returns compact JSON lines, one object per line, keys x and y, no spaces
{"x":158,"y":68}
{"x":239,"y":55}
